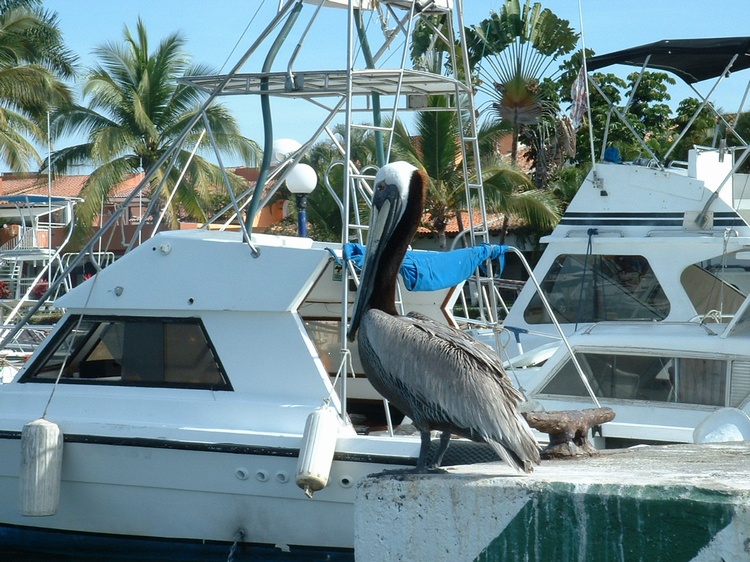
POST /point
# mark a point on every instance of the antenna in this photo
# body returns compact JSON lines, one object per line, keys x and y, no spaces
{"x":586,"y":88}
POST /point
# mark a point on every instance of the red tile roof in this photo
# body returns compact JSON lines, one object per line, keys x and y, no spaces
{"x":62,"y":186}
{"x":126,"y":188}
{"x":71,"y":186}
{"x":36,"y":184}
{"x":495,"y":221}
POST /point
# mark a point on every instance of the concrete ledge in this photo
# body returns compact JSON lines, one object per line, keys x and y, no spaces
{"x":677,"y":503}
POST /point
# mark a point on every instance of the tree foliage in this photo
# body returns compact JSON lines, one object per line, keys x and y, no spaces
{"x":648,"y":113}
{"x":136,"y":110}
{"x":435,"y":147}
{"x":33,"y":63}
{"x":324,"y":214}
{"x":514,"y":51}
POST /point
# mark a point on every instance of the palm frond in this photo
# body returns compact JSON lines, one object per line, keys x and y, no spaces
{"x":99,"y":185}
{"x":136,"y":109}
{"x":15,"y":150}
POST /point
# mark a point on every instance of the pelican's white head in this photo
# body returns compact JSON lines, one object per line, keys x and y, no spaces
{"x":390,"y":199}
{"x":396,"y":174}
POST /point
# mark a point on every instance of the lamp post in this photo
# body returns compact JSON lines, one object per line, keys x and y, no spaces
{"x":301,"y":181}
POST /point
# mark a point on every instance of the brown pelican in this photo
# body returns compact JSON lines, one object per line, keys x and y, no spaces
{"x":438,"y":376}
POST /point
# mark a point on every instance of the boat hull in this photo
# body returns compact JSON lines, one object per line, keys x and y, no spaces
{"x":20,"y":542}
{"x":118,"y":490}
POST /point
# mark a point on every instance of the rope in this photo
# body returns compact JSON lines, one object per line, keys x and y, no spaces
{"x":345,"y":367}
{"x":719,"y":279}
{"x":242,"y":35}
{"x":727,"y":232}
{"x":503,"y":352}
{"x":238,"y":538}
{"x":70,"y":348}
{"x":589,"y":250}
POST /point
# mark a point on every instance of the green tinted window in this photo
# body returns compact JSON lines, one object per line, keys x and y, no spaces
{"x":636,"y":377}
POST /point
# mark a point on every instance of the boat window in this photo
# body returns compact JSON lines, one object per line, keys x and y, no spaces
{"x":717,"y":285}
{"x":326,"y":337}
{"x":131,"y":351}
{"x":635,"y":377}
{"x":596,"y":288}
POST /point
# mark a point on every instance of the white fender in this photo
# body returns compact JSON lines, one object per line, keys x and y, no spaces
{"x":725,"y":424}
{"x":41,"y":468}
{"x":316,"y":451}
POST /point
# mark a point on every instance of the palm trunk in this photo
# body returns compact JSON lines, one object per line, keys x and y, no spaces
{"x":514,"y":144}
{"x":504,"y":229}
{"x":460,"y":225}
{"x":442,"y":240}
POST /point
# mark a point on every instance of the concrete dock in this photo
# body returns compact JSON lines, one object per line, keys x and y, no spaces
{"x":676,"y":503}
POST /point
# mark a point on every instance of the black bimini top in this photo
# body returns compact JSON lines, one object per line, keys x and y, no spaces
{"x":692,"y":60}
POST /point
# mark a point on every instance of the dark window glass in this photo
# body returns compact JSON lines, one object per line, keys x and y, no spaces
{"x":717,"y":285}
{"x":636,"y":377}
{"x":131,"y":351}
{"x":597,"y":288}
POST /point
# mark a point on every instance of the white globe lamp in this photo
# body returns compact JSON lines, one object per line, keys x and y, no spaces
{"x":301,"y":181}
{"x":283,"y":149}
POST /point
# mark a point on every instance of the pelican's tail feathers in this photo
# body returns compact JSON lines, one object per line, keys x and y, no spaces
{"x":511,"y":458}
{"x":517,"y":448}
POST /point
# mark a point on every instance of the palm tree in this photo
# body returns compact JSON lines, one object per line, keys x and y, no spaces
{"x":33,"y":60}
{"x":323,"y":212}
{"x":136,"y":110}
{"x":508,"y":195}
{"x":436,"y":149}
{"x":517,"y":48}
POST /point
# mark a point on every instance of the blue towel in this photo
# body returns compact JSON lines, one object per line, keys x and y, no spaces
{"x":430,"y":271}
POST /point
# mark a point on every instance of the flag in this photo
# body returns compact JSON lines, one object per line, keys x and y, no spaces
{"x":580,"y":101}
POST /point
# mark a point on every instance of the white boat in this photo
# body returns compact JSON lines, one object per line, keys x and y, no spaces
{"x":644,"y":241}
{"x":182,"y":377}
{"x":36,"y":230}
{"x":647,"y":274}
{"x":183,"y":406}
{"x":666,"y":382}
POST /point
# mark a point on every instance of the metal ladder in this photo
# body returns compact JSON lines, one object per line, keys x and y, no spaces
{"x":457,"y":88}
{"x":479,"y":232}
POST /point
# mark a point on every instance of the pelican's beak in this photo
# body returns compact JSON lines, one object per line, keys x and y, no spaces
{"x":388,"y":204}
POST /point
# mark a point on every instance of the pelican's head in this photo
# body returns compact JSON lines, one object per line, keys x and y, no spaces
{"x":397,"y":202}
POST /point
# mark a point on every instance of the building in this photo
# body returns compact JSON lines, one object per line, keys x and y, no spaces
{"x":120,"y":233}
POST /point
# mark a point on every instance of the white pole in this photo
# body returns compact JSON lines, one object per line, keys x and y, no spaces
{"x":49,"y":187}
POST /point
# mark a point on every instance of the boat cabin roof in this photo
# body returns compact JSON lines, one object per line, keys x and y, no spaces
{"x":30,"y":199}
{"x":693,"y":60}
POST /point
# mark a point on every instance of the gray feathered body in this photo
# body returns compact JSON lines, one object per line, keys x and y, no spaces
{"x":445,"y":380}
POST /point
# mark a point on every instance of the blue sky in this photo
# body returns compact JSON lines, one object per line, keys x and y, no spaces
{"x":213,"y":28}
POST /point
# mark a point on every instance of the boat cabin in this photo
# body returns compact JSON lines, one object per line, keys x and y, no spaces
{"x":662,"y":380}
